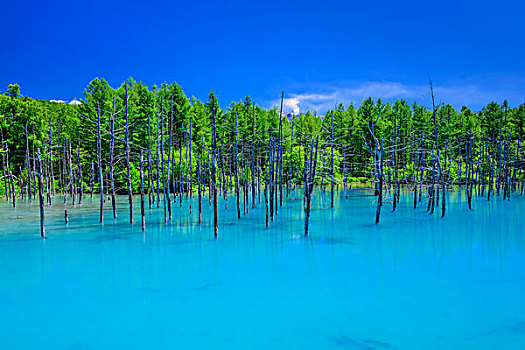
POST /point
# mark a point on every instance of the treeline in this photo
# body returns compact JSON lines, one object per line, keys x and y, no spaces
{"x":163,"y":120}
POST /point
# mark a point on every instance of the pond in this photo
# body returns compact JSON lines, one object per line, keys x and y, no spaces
{"x":414,"y":281}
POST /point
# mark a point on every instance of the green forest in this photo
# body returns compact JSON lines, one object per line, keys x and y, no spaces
{"x":164,"y":121}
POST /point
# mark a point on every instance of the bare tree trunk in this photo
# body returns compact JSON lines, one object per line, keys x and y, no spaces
{"x":310,"y":183}
{"x":28,"y":167}
{"x":34,"y":159}
{"x":48,"y":183}
{"x":223,"y":177}
{"x":272,"y":177}
{"x":181,"y":182}
{"x":379,"y":158}
{"x":51,"y":160}
{"x":99,"y":160}
{"x":290,"y":170}
{"x":469,"y":172}
{"x":253,"y":157}
{"x":280,"y":154}
{"x":157,"y":148}
{"x":111,"y":160}
{"x":150,"y":168}
{"x":191,"y":163}
{"x":213,"y":167}
{"x":491,"y":168}
{"x":11,"y":182}
{"x":237,"y":171}
{"x":199,"y":184}
{"x":396,"y":175}
{"x":190,"y":166}
{"x":92,"y":176}
{"x":79,"y":165}
{"x":500,"y":151}
{"x":142,"y":211}
{"x":130,"y":191}
{"x":169,"y":161}
{"x":266,"y":200}
{"x":332,"y":160}
{"x":70,"y":166}
{"x":41,"y":197}
{"x":162,"y":160}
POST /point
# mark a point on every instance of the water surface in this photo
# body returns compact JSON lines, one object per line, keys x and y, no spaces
{"x":414,"y":281}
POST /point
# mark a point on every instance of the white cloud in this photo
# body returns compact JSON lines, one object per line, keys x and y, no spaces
{"x":72,"y":102}
{"x":321,"y":97}
{"x":291,"y":104}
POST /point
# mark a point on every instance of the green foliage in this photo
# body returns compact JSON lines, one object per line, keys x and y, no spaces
{"x":13,"y":90}
{"x":50,"y":124}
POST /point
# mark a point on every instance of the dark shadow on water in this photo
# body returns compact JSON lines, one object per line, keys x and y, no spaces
{"x":178,"y":243}
{"x":362,"y":344}
{"x":515,"y":328}
{"x":112,"y":238}
{"x":206,"y":286}
{"x":80,"y":345}
{"x":331,"y":240}
{"x":8,"y":239}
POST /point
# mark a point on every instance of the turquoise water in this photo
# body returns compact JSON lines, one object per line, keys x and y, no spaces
{"x":414,"y":281}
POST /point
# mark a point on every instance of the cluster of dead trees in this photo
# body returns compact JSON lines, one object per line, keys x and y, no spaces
{"x":482,"y":164}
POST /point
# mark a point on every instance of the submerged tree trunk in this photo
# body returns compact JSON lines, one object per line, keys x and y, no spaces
{"x":190,"y":166}
{"x":199,"y":184}
{"x":332,"y":160}
{"x":142,"y":211}
{"x":280,"y":154}
{"x":69,"y":163}
{"x":99,"y":161}
{"x":396,"y":160}
{"x":151,"y":183}
{"x":213,"y":168}
{"x":41,"y":196}
{"x":253,"y":157}
{"x":379,"y":158}
{"x":111,"y":150}
{"x":162,"y":160}
{"x":79,"y":165}
{"x":310,"y":183}
{"x":169,"y":161}
{"x":237,"y":171}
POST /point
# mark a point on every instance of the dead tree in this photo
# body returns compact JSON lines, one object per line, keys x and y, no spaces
{"x":377,"y":153}
{"x":237,"y":170}
{"x":99,"y":161}
{"x":162,"y":160}
{"x":310,"y":181}
{"x":438,"y":158}
{"x":332,"y":159}
{"x":253,"y":156}
{"x":79,"y":165}
{"x":111,"y":151}
{"x":130,"y":193}
{"x":41,"y":196}
{"x":142,"y":211}
{"x":213,"y":167}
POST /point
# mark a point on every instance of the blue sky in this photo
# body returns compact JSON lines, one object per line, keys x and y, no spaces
{"x":318,"y":52}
